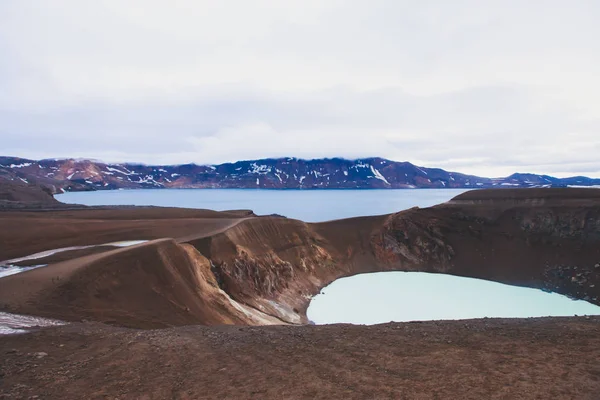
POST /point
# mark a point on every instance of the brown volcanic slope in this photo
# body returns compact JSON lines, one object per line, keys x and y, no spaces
{"x":146,"y":286}
{"x":27,"y":232}
{"x":17,"y":191}
{"x":251,"y":268}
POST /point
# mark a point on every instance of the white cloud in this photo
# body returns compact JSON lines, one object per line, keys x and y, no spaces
{"x":482,"y":87}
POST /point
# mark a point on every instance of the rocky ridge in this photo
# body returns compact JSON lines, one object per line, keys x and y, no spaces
{"x":61,"y":175}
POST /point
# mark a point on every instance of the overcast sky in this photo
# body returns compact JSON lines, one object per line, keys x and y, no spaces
{"x":482,"y":87}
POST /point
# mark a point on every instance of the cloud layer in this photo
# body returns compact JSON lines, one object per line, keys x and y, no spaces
{"x":488,"y":88}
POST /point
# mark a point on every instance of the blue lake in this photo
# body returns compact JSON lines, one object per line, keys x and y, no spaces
{"x":307,"y":205}
{"x":417,"y":296}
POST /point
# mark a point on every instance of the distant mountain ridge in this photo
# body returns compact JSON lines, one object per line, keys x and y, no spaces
{"x":280,"y":173}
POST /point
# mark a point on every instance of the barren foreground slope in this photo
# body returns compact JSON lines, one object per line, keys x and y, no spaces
{"x":474,"y":359}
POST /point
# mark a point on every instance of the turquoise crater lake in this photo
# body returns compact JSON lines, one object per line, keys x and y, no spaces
{"x":418,"y":296}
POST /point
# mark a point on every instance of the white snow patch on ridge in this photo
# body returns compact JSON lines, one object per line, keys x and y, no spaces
{"x":259,"y":169}
{"x":121,"y":172}
{"x":421,"y":170}
{"x":378,"y":175}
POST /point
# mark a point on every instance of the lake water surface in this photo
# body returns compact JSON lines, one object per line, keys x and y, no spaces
{"x":418,"y":296}
{"x":307,"y":205}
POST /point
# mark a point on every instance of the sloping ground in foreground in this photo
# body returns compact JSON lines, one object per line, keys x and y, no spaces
{"x":547,"y":358}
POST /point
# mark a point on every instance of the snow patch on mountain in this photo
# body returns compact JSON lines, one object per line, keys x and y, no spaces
{"x":378,"y":175}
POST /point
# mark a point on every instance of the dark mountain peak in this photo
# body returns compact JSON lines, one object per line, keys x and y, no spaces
{"x":272,"y":173}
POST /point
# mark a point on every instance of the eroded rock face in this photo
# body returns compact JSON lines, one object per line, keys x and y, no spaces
{"x":581,"y":224}
{"x":271,"y":264}
{"x":405,"y":242}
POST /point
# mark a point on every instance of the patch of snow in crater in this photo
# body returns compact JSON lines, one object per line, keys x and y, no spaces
{"x":15,"y":323}
{"x":9,"y":270}
{"x":125,"y":243}
{"x":20,"y":165}
{"x":48,"y":253}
